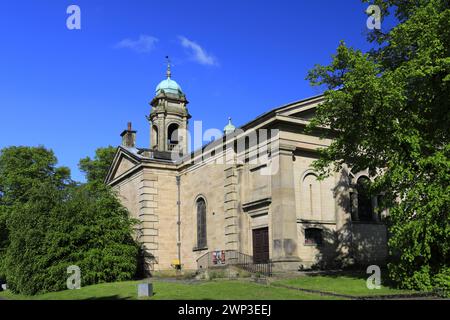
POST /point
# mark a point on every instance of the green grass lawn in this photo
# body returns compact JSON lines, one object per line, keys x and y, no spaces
{"x":347,"y":285}
{"x":220,"y":289}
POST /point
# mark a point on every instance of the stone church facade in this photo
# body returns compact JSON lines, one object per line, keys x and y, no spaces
{"x":252,"y":191}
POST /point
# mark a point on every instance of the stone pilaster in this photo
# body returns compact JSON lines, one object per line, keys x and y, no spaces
{"x":231,"y":209}
{"x":148,"y":205}
{"x":344,"y":200}
{"x":184,"y":136}
{"x":283,"y":212}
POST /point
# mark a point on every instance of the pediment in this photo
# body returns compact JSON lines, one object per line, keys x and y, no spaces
{"x":122,"y":163}
{"x":305,"y":110}
{"x":124,"y":166}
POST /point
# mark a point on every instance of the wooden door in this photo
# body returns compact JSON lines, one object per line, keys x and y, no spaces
{"x":261,"y":245}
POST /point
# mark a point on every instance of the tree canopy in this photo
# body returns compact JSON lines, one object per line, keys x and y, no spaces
{"x":51,"y":223}
{"x":389,"y":109}
{"x":97,"y":169}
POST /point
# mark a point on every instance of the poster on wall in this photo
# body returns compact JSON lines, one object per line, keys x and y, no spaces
{"x":218,"y":257}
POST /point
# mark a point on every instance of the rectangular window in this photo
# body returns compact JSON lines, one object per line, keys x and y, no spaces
{"x":313,"y":236}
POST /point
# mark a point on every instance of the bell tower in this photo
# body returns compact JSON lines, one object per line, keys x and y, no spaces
{"x":169,"y":117}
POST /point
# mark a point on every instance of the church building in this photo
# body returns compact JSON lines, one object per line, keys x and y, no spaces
{"x":251,"y":192}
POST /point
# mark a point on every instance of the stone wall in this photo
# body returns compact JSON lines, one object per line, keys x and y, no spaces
{"x":207,"y":181}
{"x":165,"y":211}
{"x":239,"y":198}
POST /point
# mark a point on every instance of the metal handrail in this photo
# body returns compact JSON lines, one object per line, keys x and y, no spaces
{"x":233,"y":258}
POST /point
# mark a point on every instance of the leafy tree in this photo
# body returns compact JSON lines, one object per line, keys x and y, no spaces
{"x":102,"y":235}
{"x":23,"y":169}
{"x":27,"y":257}
{"x":97,"y":169}
{"x":83,"y":226}
{"x":389,"y":110}
{"x":53,"y":223}
{"x":3,"y":242}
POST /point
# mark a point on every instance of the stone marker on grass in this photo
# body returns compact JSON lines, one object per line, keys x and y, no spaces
{"x":145,"y":290}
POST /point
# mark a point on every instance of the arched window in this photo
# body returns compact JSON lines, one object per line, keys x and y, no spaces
{"x":365,"y":209}
{"x":311,"y":197}
{"x":201,"y":223}
{"x":172,"y":135}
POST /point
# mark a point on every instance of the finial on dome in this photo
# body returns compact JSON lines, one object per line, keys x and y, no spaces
{"x":168,"y":85}
{"x":169,"y":73}
{"x":229,"y":128}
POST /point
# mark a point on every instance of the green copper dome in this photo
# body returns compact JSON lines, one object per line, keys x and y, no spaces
{"x":169,"y":86}
{"x":229,"y":128}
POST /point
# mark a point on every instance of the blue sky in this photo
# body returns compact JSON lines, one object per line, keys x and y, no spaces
{"x":75,"y":90}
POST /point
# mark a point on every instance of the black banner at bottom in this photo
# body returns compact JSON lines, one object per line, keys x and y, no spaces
{"x":210,"y":309}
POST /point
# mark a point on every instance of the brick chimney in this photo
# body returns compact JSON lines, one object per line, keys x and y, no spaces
{"x":128,"y":137}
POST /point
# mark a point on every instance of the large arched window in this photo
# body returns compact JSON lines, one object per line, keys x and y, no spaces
{"x":365,"y":209}
{"x":201,"y":223}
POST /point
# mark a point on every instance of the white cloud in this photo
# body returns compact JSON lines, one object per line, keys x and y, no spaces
{"x":197,"y":53}
{"x":142,"y":45}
